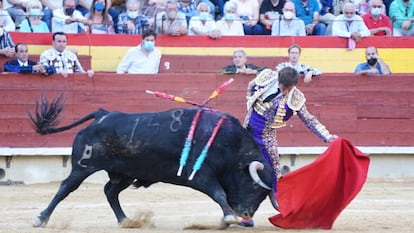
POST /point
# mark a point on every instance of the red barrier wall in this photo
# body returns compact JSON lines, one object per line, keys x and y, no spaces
{"x":369,"y":111}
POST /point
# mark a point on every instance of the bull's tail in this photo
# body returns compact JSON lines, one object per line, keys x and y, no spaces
{"x":47,"y":116}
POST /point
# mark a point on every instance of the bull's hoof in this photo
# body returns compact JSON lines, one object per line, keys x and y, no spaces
{"x":38,"y":222}
{"x":230,"y":219}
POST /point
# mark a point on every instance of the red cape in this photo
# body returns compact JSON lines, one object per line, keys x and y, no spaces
{"x":314,"y":195}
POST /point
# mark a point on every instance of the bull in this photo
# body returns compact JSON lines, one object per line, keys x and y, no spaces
{"x":141,"y":149}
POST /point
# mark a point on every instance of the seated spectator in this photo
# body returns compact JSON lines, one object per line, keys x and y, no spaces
{"x":23,"y":65}
{"x":350,"y":25}
{"x":6,"y":22}
{"x":34,"y":22}
{"x":132,"y":21}
{"x":308,"y":11}
{"x":240,"y":65}
{"x":6,"y":44}
{"x":203,"y":23}
{"x":402,"y":15}
{"x":63,"y":60}
{"x":151,"y":8}
{"x":289,"y":25}
{"x":364,"y":7}
{"x":374,"y":65}
{"x":142,"y":59}
{"x":378,"y":23}
{"x":248,"y":11}
{"x":171,"y":22}
{"x":294,"y":52}
{"x":189,"y":7}
{"x":50,"y":5}
{"x":230,"y":25}
{"x":67,"y":19}
{"x":326,"y":15}
{"x":100,"y":22}
{"x":270,"y":10}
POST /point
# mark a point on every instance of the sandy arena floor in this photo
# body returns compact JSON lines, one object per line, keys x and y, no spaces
{"x":380,"y":207}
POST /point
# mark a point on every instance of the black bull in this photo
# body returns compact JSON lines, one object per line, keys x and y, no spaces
{"x":145,"y":148}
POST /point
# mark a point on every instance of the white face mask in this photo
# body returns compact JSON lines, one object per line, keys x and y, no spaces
{"x":35,"y":12}
{"x":132,"y":14}
{"x":376,"y":11}
{"x":1,"y":31}
{"x":288,"y":15}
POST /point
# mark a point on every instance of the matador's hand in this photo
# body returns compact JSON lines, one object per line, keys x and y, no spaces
{"x":332,"y":138}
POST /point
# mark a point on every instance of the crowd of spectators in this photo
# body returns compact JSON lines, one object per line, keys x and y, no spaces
{"x":211,"y":17}
{"x":344,"y":18}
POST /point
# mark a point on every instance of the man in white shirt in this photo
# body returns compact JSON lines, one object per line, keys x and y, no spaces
{"x":349,"y":24}
{"x":142,"y":59}
{"x":289,"y":24}
{"x":67,"y":19}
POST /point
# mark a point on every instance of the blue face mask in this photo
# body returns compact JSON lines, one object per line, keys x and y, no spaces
{"x":204,"y":16}
{"x":375,"y":11}
{"x":99,"y":6}
{"x":35,"y":12}
{"x":229,"y":16}
{"x":149,"y":46}
{"x":349,"y":19}
{"x":132,"y":14}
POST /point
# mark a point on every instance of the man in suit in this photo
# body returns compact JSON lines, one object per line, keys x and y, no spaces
{"x":22,"y":64}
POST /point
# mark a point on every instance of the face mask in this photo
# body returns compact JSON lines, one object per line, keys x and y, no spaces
{"x":171,"y":14}
{"x":1,"y":32}
{"x":69,"y":11}
{"x":229,"y":17}
{"x":375,"y":11}
{"x":99,"y":6}
{"x":204,"y":16}
{"x":372,"y":61}
{"x":132,"y":14}
{"x":349,"y":19}
{"x":35,"y":12}
{"x":149,"y":46}
{"x":288,"y":15}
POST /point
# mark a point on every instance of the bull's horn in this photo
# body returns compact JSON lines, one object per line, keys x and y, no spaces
{"x":253,"y":167}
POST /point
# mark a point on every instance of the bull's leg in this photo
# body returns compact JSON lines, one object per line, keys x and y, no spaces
{"x":217,"y":193}
{"x":67,"y":186}
{"x":116,"y":184}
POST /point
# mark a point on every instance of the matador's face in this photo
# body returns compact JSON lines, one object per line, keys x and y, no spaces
{"x":285,"y":90}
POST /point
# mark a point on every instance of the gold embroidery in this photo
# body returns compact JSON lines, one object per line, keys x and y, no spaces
{"x":296,"y":99}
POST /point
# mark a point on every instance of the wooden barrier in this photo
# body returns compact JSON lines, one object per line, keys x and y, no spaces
{"x":210,"y":64}
{"x":369,"y":111}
